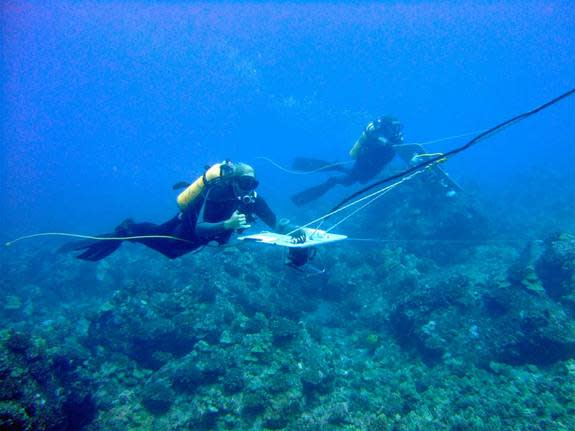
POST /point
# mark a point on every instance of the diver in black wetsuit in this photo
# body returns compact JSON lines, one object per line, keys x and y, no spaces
{"x":372,"y":152}
{"x":220,"y":202}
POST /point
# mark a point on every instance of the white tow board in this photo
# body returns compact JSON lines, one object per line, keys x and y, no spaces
{"x":313,"y":237}
{"x":410,"y":153}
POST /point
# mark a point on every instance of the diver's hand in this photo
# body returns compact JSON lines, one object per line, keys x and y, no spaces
{"x":236,"y":221}
{"x":298,"y":237}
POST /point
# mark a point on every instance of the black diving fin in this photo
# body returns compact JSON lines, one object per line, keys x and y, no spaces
{"x":180,"y":185}
{"x":308,"y":195}
{"x":98,"y":249}
{"x":306,"y":164}
{"x":93,"y":249}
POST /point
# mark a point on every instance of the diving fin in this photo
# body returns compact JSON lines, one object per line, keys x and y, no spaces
{"x":180,"y":185}
{"x":313,"y":193}
{"x":98,"y":249}
{"x":93,"y":249}
{"x":305,"y":164}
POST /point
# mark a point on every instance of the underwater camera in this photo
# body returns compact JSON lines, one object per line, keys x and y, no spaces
{"x":298,"y":257}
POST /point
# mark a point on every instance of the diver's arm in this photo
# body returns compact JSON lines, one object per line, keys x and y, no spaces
{"x":264,"y":212}
{"x":206,"y":229}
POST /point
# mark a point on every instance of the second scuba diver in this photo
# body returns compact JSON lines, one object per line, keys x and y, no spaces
{"x":221,"y":201}
{"x":371,"y":152}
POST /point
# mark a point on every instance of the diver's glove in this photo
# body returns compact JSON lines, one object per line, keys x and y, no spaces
{"x":298,"y":237}
{"x":284,"y":227}
{"x":237,"y":221}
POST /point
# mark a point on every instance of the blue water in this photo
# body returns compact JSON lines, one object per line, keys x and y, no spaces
{"x":439,"y":303}
{"x":107,"y":104}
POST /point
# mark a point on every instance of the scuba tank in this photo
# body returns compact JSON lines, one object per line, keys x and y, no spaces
{"x":356,"y":147}
{"x":386,"y":129}
{"x":354,"y":152}
{"x":189,"y":195}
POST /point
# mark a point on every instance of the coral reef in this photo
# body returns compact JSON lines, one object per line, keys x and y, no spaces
{"x":556,"y":266}
{"x":436,"y":335}
{"x":42,"y":388}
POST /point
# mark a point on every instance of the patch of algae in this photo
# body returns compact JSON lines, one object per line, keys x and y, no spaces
{"x":531,"y":281}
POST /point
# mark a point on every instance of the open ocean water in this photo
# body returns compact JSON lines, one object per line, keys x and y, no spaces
{"x":450,"y":305}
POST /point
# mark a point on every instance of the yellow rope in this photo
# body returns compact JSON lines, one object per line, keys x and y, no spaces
{"x":436,"y":141}
{"x":290,"y":171}
{"x":97,"y":238}
{"x":418,"y":156}
{"x":372,"y":198}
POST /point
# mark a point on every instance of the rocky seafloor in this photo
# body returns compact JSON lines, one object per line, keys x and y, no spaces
{"x":446,"y":331}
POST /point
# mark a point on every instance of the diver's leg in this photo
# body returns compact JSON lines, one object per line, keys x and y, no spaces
{"x":97,"y":249}
{"x":182,"y":243}
{"x":311,"y":194}
{"x":346,"y":180}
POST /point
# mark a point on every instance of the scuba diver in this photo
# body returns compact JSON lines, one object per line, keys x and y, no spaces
{"x":223,"y":200}
{"x":371,"y":152}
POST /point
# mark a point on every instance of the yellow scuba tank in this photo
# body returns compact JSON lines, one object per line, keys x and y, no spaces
{"x":197,"y":187}
{"x":370,"y":128}
{"x":357,"y":146}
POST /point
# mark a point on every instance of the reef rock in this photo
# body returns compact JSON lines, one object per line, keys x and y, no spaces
{"x":556,"y":266}
{"x":41,"y":391}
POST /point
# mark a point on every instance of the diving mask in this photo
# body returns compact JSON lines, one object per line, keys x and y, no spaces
{"x":244,"y":189}
{"x":246,"y":183}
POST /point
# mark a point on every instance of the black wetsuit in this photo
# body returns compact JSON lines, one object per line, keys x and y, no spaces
{"x":202,"y":222}
{"x":372,"y":157}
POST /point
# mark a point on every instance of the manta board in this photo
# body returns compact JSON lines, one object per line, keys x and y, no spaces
{"x":409,"y":153}
{"x":313,"y":237}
